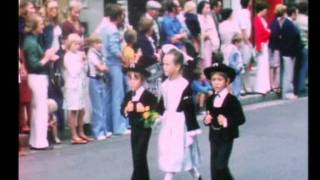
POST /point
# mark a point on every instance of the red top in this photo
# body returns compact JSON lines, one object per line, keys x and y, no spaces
{"x":272,"y":6}
{"x":262,"y":32}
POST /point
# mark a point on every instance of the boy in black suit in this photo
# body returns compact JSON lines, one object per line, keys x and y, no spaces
{"x":136,"y":102}
{"x":223,"y":117}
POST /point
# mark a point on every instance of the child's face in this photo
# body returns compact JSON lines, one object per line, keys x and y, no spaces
{"x":134,"y":81}
{"x":75,"y":46}
{"x":169,"y":67}
{"x":218,"y":82}
{"x":238,"y":44}
{"x":97,"y":45}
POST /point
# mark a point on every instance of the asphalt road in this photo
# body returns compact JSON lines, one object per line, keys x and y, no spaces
{"x":273,"y":145}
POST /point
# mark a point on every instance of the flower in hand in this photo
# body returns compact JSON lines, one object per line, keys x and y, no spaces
{"x":149,"y":117}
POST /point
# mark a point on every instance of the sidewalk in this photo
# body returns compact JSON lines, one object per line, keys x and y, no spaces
{"x":245,"y":100}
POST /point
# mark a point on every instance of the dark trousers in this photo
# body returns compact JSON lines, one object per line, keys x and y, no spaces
{"x":139,"y":145}
{"x":220,"y":154}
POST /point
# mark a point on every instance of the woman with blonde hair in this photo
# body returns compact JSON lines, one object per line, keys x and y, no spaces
{"x":26,"y":9}
{"x":36,"y":61}
{"x":52,"y":38}
{"x":73,"y":24}
{"x":192,"y":23}
{"x":274,"y":47}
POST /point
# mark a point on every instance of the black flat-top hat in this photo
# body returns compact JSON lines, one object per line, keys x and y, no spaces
{"x":137,"y":68}
{"x":219,"y":67}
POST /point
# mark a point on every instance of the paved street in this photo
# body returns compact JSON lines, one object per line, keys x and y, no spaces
{"x":273,"y":145}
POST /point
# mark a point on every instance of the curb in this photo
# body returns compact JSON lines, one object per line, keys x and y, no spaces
{"x":244,"y":100}
{"x":257,"y":98}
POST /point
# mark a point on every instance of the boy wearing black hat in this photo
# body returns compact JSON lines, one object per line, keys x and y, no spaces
{"x":136,"y":103}
{"x":223,"y":117}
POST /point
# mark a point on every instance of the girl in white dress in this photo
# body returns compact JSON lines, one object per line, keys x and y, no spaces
{"x":75,"y":85}
{"x":178,"y":145}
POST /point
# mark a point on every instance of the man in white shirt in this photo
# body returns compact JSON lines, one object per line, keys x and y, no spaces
{"x":243,"y":18}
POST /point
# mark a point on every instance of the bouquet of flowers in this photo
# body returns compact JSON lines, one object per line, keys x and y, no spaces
{"x":149,"y":117}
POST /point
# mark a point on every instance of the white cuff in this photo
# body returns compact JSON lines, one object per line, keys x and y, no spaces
{"x":194,"y":132}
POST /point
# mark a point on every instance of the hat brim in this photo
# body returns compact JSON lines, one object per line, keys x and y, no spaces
{"x":140,"y":70}
{"x":224,"y":69}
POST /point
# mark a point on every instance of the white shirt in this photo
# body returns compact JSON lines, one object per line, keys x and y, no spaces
{"x":138,"y":94}
{"x":57,"y":32}
{"x":94,"y":59}
{"x":208,"y":26}
{"x":302,"y":22}
{"x":219,"y":98}
{"x":243,"y":19}
{"x":228,"y":29}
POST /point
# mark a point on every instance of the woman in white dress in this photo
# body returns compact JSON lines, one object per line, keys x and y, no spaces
{"x":228,"y":29}
{"x":262,"y":34}
{"x":178,"y":146}
{"x":209,"y":35}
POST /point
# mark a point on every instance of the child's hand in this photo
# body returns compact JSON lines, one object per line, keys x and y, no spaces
{"x":208,"y":119}
{"x":129,"y":107}
{"x":140,"y":107}
{"x":139,"y":53}
{"x":222,"y":121}
{"x":49,"y":54}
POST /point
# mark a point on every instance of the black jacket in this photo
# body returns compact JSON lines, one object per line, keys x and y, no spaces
{"x":148,"y":58}
{"x":275,"y":36}
{"x":291,"y":43}
{"x":187,"y":106}
{"x":232,"y":110}
{"x":147,"y":99}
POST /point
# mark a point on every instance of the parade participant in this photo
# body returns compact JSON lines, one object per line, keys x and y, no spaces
{"x":178,"y":145}
{"x":224,"y":115}
{"x":138,"y":103}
